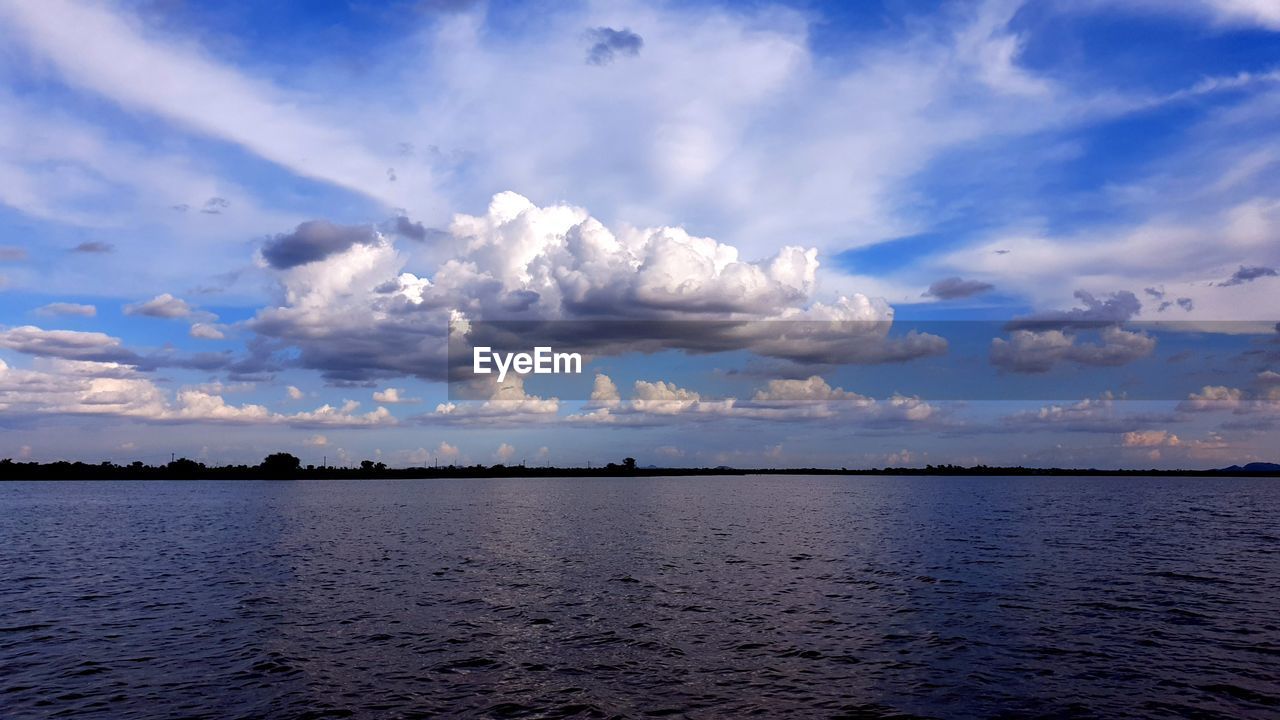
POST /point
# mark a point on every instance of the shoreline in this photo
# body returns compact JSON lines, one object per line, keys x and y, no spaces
{"x":82,"y":472}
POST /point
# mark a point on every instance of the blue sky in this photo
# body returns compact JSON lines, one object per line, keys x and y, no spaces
{"x":228,"y":229}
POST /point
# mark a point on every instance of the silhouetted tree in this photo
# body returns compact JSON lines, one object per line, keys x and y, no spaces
{"x":281,"y":462}
{"x":184,"y":467}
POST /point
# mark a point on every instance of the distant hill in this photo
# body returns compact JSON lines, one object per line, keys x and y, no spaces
{"x":1254,"y":467}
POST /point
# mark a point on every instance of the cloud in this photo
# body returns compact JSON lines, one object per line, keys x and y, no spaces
{"x":60,"y":387}
{"x":9,"y":253}
{"x":1231,"y":13}
{"x":215,"y":206}
{"x":79,"y":388}
{"x":1257,"y":410}
{"x":1248,"y":274}
{"x":507,"y":403}
{"x":701,"y":131}
{"x":1029,"y":351}
{"x":57,"y":386}
{"x":610,"y":43}
{"x":294,"y":393}
{"x":100,"y":347}
{"x":345,"y":416}
{"x":812,"y":389}
{"x":316,"y":441}
{"x":1213,"y":397}
{"x":66,"y":344}
{"x":406,"y":228}
{"x":205,"y":331}
{"x":504,"y":452}
{"x":650,"y":400}
{"x":446,"y":452}
{"x":106,"y":52}
{"x":954,"y":288}
{"x":661,"y":402}
{"x":392,"y":396}
{"x":1184,"y":230}
{"x":703,"y":127}
{"x":1114,"y":308}
{"x":666,"y":398}
{"x":313,"y":241}
{"x":161,"y":306}
{"x":356,"y":315}
{"x":63,"y":308}
{"x":1040,"y":341}
{"x":1261,"y":12}
{"x":94,"y":246}
{"x":1094,"y":415}
{"x":604,"y":392}
{"x":1150,"y":438}
{"x":1185,"y":303}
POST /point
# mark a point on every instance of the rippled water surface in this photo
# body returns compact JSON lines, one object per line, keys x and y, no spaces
{"x":717,"y":597}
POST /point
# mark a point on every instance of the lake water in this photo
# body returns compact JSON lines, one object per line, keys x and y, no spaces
{"x":713,"y":597}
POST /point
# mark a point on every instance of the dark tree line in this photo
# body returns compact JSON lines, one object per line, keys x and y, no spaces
{"x":285,"y":466}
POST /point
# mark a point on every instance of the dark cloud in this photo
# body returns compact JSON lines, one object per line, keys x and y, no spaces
{"x":94,"y":246}
{"x":315,"y":240}
{"x":1248,"y":274}
{"x":805,"y":343}
{"x":407,"y":228}
{"x":401,"y":343}
{"x":610,"y":43}
{"x":396,"y":346}
{"x":207,"y":361}
{"x":520,"y":300}
{"x":1186,"y":304}
{"x":100,"y":347}
{"x":215,"y":206}
{"x":1116,"y":308}
{"x":954,"y":288}
{"x":259,"y":365}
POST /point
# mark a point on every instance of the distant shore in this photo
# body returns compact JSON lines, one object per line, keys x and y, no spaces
{"x":286,"y":467}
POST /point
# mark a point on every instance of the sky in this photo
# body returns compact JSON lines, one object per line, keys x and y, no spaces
{"x":868,"y":234}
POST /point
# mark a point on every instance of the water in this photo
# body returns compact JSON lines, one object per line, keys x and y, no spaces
{"x":862,"y":597}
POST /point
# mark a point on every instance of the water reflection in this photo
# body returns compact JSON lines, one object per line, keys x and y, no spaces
{"x":703,"y":597}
